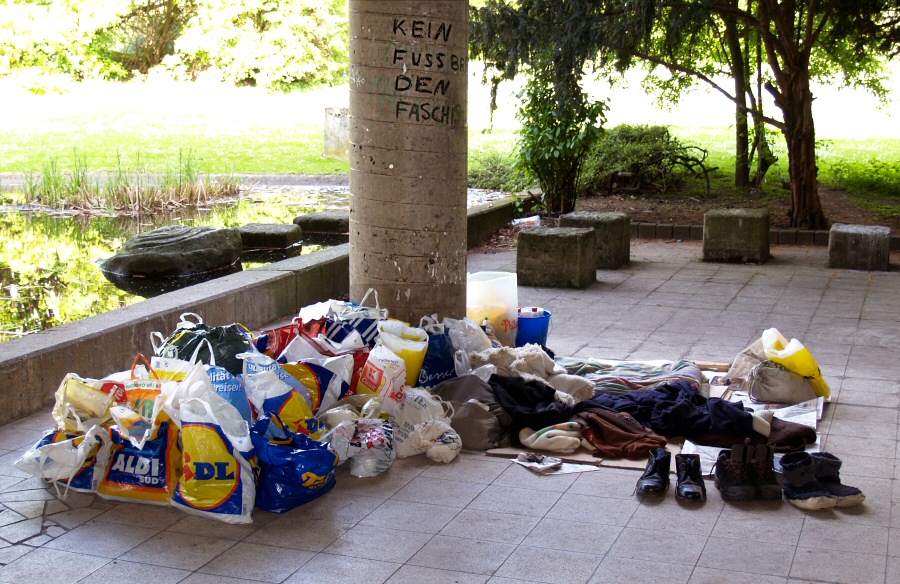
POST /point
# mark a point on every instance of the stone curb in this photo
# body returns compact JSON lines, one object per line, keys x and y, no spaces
{"x":818,"y":237}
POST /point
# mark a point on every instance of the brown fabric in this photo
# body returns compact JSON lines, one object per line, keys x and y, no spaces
{"x":784,"y":437}
{"x":618,"y":435}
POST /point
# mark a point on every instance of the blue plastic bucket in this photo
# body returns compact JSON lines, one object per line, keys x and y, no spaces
{"x":533,"y":326}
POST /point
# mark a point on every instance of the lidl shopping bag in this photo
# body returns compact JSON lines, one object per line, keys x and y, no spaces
{"x":75,"y":460}
{"x":294,"y":469}
{"x":217,"y":480}
{"x":270,"y":395}
{"x":143,"y":475}
{"x":796,"y":358}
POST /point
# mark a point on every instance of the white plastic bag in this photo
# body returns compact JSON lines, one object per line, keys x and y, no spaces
{"x":368,"y":444}
{"x":79,"y":461}
{"x":418,"y":408}
{"x":438,"y":440}
{"x":383,"y":374}
{"x":466,"y":335}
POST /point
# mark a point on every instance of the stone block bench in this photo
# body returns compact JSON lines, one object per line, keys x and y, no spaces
{"x":556,"y":257}
{"x":736,"y":235}
{"x":859,"y":247}
{"x":612,"y":233}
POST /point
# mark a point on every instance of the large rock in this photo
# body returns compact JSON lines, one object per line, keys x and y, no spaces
{"x":269,"y":235}
{"x":324,"y":222}
{"x":176,"y":251}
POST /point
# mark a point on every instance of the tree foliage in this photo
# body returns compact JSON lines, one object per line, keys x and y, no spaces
{"x":798,"y":39}
{"x":278,"y":44}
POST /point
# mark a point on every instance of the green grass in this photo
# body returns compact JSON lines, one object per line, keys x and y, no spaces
{"x":149,"y":127}
{"x":228,"y":130}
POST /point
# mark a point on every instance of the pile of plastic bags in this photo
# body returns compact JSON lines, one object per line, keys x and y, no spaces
{"x":220,"y":420}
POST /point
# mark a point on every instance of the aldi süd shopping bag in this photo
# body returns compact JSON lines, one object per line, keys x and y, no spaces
{"x":796,"y":357}
{"x":293,"y":468}
{"x":217,"y":480}
{"x":77,"y":461}
{"x":143,"y":475}
{"x":226,"y":343}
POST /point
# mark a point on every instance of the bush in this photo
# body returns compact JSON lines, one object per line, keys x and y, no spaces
{"x":554,"y":140}
{"x":491,"y":169}
{"x":640,"y":157}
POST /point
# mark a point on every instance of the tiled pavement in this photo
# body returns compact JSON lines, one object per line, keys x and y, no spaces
{"x":483,"y":519}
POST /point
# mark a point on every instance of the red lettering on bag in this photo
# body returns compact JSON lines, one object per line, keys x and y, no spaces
{"x":371,"y":378}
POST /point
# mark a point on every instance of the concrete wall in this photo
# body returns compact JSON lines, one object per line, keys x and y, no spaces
{"x":32,"y":367}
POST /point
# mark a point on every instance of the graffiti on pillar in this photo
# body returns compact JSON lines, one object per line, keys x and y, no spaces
{"x":412,"y":87}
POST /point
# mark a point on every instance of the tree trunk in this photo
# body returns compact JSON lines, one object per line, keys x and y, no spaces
{"x":799,"y":133}
{"x":741,"y":132}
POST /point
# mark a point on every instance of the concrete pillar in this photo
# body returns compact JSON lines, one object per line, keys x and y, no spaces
{"x":408,"y":141}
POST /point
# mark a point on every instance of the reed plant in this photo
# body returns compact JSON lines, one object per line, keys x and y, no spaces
{"x":128,"y":189}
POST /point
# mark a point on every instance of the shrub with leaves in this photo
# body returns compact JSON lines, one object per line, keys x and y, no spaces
{"x":554,"y":141}
{"x":639,"y":157}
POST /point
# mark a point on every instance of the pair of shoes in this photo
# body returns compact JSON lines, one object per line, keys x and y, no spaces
{"x":655,"y":480}
{"x":746,"y":472}
{"x":812,"y":481}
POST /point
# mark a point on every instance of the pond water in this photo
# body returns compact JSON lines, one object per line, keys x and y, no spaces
{"x":49,"y":272}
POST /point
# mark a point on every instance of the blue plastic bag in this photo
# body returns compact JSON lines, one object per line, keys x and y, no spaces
{"x":438,"y":365}
{"x":294,"y":468}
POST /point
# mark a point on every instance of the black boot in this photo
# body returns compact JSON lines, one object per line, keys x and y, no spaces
{"x":655,"y":480}
{"x":826,"y":468}
{"x":732,"y":475}
{"x":800,"y":485}
{"x":762,"y":473}
{"x":690,"y":485}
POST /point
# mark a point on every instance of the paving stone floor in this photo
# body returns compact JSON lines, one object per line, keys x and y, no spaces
{"x":482,"y":519}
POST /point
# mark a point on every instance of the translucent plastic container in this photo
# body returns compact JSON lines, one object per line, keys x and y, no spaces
{"x":494,"y":296}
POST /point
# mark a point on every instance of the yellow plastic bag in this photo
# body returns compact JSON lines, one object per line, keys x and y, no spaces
{"x":407,"y":342}
{"x":795,"y":357}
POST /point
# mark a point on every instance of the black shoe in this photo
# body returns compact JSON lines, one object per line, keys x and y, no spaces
{"x":732,"y":475}
{"x":690,"y":485}
{"x":826,"y":468}
{"x":762,"y":472}
{"x":801,"y":488}
{"x":655,"y":480}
